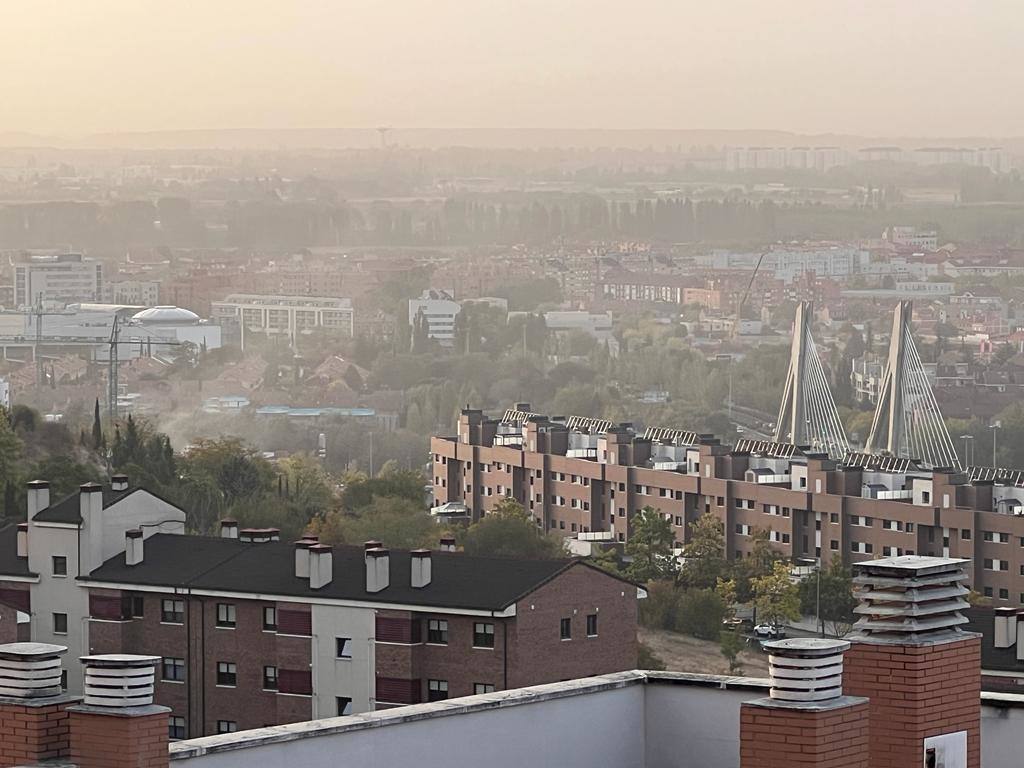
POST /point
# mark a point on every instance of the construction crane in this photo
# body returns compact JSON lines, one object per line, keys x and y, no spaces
{"x":746,"y":293}
{"x":38,"y":313}
{"x":113,"y":343}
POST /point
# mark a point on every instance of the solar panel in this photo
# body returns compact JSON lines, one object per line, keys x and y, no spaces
{"x":880,"y":463}
{"x":513,"y":416}
{"x":674,"y":436}
{"x":1013,"y":477}
{"x":587,"y":424}
{"x":768,"y":448}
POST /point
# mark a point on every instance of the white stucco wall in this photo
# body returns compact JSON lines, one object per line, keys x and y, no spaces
{"x":333,"y":677}
{"x":55,"y":594}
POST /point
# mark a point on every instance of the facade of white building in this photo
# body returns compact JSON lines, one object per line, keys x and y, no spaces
{"x":286,"y":315}
{"x":439,"y":309}
{"x":60,"y":279}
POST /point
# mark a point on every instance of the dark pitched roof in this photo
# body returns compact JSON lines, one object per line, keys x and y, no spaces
{"x":10,"y":563}
{"x":982,"y":619}
{"x":457,"y":580}
{"x":68,"y":509}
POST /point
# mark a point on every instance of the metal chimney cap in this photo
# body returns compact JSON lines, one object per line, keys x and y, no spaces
{"x":806,"y":647}
{"x":119,"y":660}
{"x":31,"y":651}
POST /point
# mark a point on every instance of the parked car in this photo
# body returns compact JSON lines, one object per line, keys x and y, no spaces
{"x":769,"y":630}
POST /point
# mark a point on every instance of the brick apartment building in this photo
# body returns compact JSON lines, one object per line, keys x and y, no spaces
{"x":581,"y":475}
{"x":252,"y":631}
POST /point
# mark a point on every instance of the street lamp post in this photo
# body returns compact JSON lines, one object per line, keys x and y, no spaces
{"x":966,"y":439}
{"x":994,"y":426}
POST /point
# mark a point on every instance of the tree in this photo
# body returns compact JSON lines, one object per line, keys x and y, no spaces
{"x":10,"y":447}
{"x":760,"y":563}
{"x":731,"y":644}
{"x":704,"y":556}
{"x":700,"y":613}
{"x":650,"y":547}
{"x":605,"y":559}
{"x":394,"y":521}
{"x":97,"y":428}
{"x":508,"y":531}
{"x":776,"y":597}
{"x":837,"y":599}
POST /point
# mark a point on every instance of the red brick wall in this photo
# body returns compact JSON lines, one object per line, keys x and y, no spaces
{"x":8,"y":623}
{"x":202,"y":644}
{"x":784,"y":738}
{"x":536,"y":652}
{"x":916,"y":692}
{"x":31,"y":734}
{"x":105,"y":741}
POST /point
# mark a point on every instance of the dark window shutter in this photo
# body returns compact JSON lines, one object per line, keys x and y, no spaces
{"x":19,"y":598}
{"x":394,"y":690}
{"x":395,"y":630}
{"x":296,"y":681}
{"x":106,"y":607}
{"x":291,"y":622}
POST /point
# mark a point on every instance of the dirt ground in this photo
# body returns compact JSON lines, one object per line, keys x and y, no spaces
{"x":682,"y":653}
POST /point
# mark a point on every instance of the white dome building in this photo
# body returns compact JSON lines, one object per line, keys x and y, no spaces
{"x":166,"y":315}
{"x":178,"y":324}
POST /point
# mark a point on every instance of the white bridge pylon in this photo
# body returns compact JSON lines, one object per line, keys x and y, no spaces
{"x":808,"y":414}
{"x":907,"y":422}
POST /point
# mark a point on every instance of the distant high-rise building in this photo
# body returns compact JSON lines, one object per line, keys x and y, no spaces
{"x":63,"y":278}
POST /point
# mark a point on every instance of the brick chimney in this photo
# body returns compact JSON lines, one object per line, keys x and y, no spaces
{"x":33,"y":709}
{"x":118,"y":726}
{"x":321,"y":566}
{"x":912,"y":659}
{"x":119,"y":483}
{"x":420,"y":564}
{"x":228,"y":528}
{"x":38,"y":495}
{"x":1005,"y":627}
{"x":806,"y":720}
{"x":378,"y":569}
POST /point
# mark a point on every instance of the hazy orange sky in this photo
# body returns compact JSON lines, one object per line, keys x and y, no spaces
{"x":917,"y":67}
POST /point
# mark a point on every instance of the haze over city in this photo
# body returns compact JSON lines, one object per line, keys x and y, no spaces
{"x":566,"y":383}
{"x":914,"y":68}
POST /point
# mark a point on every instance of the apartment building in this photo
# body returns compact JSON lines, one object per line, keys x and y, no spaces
{"x":439,"y":310}
{"x":285,"y":315}
{"x":252,"y":631}
{"x":580,"y":475}
{"x":64,"y":278}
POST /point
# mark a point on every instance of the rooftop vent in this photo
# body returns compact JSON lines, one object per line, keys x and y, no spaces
{"x":30,"y":670}
{"x":806,"y":668}
{"x":119,"y":679}
{"x":909,"y":599}
{"x":259,"y":535}
{"x":228,"y":528}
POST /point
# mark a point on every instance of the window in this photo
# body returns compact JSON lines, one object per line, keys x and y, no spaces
{"x":483,"y":635}
{"x":344,"y":705}
{"x":343,"y":647}
{"x":172,"y":611}
{"x":926,"y":497}
{"x":270,"y":678}
{"x":226,"y":726}
{"x":227,"y":674}
{"x":437,"y":690}
{"x":479,"y":688}
{"x":910,"y":527}
{"x":60,"y":565}
{"x":269,"y":618}
{"x":1004,"y":594}
{"x":834,"y":545}
{"x":833,"y":517}
{"x":565,"y":629}
{"x":60,"y":623}
{"x":172,"y":670}
{"x":437,"y":632}
{"x":988,"y":592}
{"x":592,"y":625}
{"x":137,"y":606}
{"x":225,"y":615}
{"x":176,"y":728}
